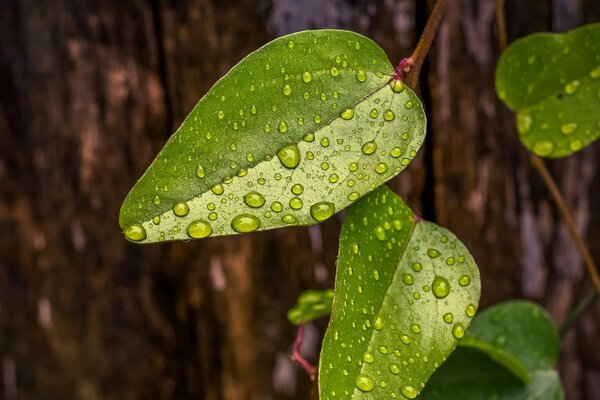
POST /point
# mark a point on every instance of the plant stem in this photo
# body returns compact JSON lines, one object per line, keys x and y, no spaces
{"x":412,"y":65}
{"x":568,"y":219}
{"x":577,"y":312}
{"x":501,"y":24}
{"x":296,"y":356}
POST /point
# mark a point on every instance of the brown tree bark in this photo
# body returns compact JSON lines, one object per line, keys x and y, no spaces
{"x":90,"y":91}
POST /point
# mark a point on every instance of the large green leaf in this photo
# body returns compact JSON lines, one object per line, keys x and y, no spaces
{"x":294,"y":133}
{"x":405,"y":293}
{"x":508,"y":354}
{"x":552,"y":81}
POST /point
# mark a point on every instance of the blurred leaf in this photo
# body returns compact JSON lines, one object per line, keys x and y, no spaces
{"x":552,"y":81}
{"x":294,"y":133}
{"x":508,"y":354}
{"x":311,"y":305}
{"x":405,"y":293}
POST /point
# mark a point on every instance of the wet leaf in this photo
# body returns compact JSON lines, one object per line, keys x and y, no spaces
{"x":552,"y":81}
{"x":294,"y":133}
{"x":508,"y":354}
{"x":405,"y":293}
{"x":311,"y":305}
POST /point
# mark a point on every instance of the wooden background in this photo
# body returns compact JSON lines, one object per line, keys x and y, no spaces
{"x":91,"y":90}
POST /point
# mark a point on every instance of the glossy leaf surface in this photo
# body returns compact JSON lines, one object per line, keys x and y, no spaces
{"x":552,"y":81}
{"x":294,"y":133}
{"x":405,"y":293}
{"x":311,"y":305}
{"x":508,"y":354}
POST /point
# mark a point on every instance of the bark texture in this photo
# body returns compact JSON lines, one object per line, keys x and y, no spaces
{"x":89,"y":93}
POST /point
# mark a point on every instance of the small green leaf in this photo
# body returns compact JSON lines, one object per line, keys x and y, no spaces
{"x":518,"y":334}
{"x":294,"y":133}
{"x":508,"y":354}
{"x":471,"y":375}
{"x":405,"y":293}
{"x":552,"y":81}
{"x":311,"y":305}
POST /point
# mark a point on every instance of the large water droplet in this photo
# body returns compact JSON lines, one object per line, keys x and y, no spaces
{"x":361,"y":75}
{"x":397,"y":85}
{"x":409,"y":392}
{"x":135,"y":232}
{"x":245,"y":223}
{"x":369,"y":147}
{"x":289,"y":156}
{"x":307,"y":77}
{"x":322,"y":210}
{"x":347,"y":114}
{"x":181,"y":209}
{"x":440,"y":287}
{"x":458,"y":331}
{"x":543,"y":148}
{"x":394,"y":369}
{"x":199,"y":229}
{"x":296,"y":203}
{"x":254,"y":199}
{"x":364,"y":383}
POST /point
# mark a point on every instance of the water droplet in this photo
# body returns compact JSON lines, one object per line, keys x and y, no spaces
{"x":380,"y":233}
{"x":282,"y":127}
{"x":433,"y":253}
{"x":595,"y":73}
{"x":217,"y":189}
{"x":156,"y":200}
{"x":287,"y":90}
{"x":369,"y":147}
{"x":254,"y":199}
{"x":405,"y":339}
{"x":440,"y":287}
{"x":288,"y":219}
{"x":199,"y":229}
{"x":394,"y":369}
{"x":576,"y":145}
{"x":368,"y":358}
{"x":364,"y":383}
{"x":296,"y":203}
{"x":334,"y":71}
{"x":347,"y":114}
{"x":322,"y":210}
{"x":135,"y":232}
{"x":409,"y":392}
{"x":276,"y":206}
{"x":417,"y":267}
{"x":458,"y":331}
{"x":245,"y":223}
{"x":448,"y":318}
{"x":543,"y":148}
{"x":221,"y":114}
{"x":464,"y":280}
{"x":291,"y":44}
{"x":381,"y":168}
{"x":156,"y":220}
{"x":361,"y":75}
{"x":569,"y":128}
{"x":317,"y":119}
{"x":289,"y":156}
{"x":408,"y":104}
{"x":374,"y":113}
{"x":470,"y":310}
{"x":572,"y":87}
{"x":200,"y":171}
{"x":253,"y":110}
{"x":181,"y":209}
{"x":397,"y":85}
{"x":524,"y":122}
{"x":408,"y":279}
{"x":378,"y":323}
{"x":415,"y":328}
{"x":297,"y":188}
{"x":389,"y":115}
{"x":307,"y":77}
{"x":353,"y":196}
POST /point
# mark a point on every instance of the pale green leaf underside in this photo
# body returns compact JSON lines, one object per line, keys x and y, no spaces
{"x":508,"y":353}
{"x":405,"y":293}
{"x":311,"y":305}
{"x":283,"y":139}
{"x":552,"y":81}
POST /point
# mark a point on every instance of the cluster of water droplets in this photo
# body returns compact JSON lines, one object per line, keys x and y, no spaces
{"x":402,"y":286}
{"x":309,"y":142}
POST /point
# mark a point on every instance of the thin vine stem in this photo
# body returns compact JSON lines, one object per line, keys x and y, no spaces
{"x":412,"y":65}
{"x":568,"y":219}
{"x":576,"y":313}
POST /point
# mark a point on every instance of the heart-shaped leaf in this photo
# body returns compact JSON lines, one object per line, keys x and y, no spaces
{"x":294,"y":133}
{"x":508,"y":354}
{"x":552,"y":81}
{"x":405,"y":293}
{"x":311,"y":305}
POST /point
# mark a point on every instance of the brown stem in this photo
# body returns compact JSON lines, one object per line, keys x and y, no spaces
{"x":501,"y":24}
{"x":415,"y":61}
{"x":568,"y":219}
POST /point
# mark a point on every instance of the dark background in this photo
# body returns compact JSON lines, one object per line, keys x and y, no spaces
{"x":89,"y":93}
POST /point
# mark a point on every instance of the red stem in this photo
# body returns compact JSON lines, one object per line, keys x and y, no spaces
{"x":296,"y":356}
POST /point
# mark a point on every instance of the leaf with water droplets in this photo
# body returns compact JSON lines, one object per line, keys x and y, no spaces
{"x":508,"y":354}
{"x":294,"y":133}
{"x":552,"y":81}
{"x":311,"y":305}
{"x":405,"y":293}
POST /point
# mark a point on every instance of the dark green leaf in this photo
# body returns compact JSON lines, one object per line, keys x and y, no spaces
{"x":294,"y":133}
{"x":311,"y":305}
{"x":405,"y":293}
{"x":552,"y":82}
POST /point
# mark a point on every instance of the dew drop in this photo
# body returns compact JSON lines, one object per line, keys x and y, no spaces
{"x":156,"y":220}
{"x":470,"y":310}
{"x":282,"y":127}
{"x":199,"y":229}
{"x":289,"y":156}
{"x":276,"y":206}
{"x":217,"y":189}
{"x":458,"y":331}
{"x":307,"y":77}
{"x":181,"y":209}
{"x":569,"y":128}
{"x":576,"y":145}
{"x":464,"y":280}
{"x":135,"y":232}
{"x":409,"y":392}
{"x":353,"y":196}
{"x":244,"y":223}
{"x":287,"y":90}
{"x":374,"y":113}
{"x":347,"y":114}
{"x":368,"y":358}
{"x":254,"y":199}
{"x":322,"y":210}
{"x":288,"y":219}
{"x":378,"y":323}
{"x":389,"y":115}
{"x":394,"y":369}
{"x":369,"y":147}
{"x":440,"y":287}
{"x":572,"y":87}
{"x":221,"y":114}
{"x":397,"y":85}
{"x":381,"y":168}
{"x":296,"y":203}
{"x":543,"y":148}
{"x":361,"y":75}
{"x":433,"y":253}
{"x":200,"y":171}
{"x":396,"y":152}
{"x":417,"y":267}
{"x":448,"y":318}
{"x":408,"y":105}
{"x":364,"y":383}
{"x":334,"y":71}
{"x":408,"y":279}
{"x":297,"y":188}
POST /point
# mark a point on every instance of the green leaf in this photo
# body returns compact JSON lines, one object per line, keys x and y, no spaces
{"x":471,"y":375}
{"x":311,"y":305}
{"x":518,"y":334}
{"x":294,"y":133}
{"x":552,"y":82}
{"x":508,"y":353}
{"x":405,"y":293}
